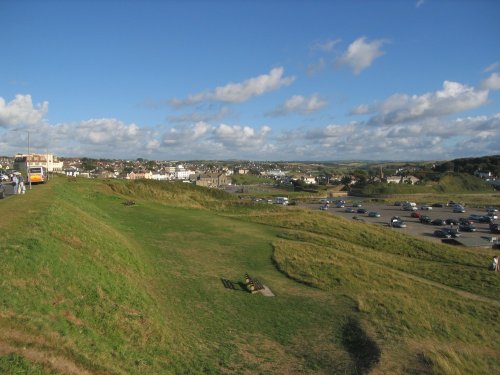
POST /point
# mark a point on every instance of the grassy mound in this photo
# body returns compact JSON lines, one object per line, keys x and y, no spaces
{"x":89,"y":285}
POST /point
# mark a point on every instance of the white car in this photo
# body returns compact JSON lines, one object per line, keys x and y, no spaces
{"x":426,"y":207}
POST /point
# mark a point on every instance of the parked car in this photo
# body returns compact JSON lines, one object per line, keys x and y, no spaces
{"x":424,"y":219}
{"x":415,"y":214}
{"x":398,"y":203}
{"x":452,"y":221}
{"x":467,"y":227}
{"x":438,"y":205}
{"x":438,"y":222}
{"x":426,"y":207}
{"x":340,"y":205}
{"x":324,"y":207}
{"x":486,"y":219}
{"x":475,"y":218}
{"x":373,"y":214}
{"x":465,"y":221}
{"x":397,"y":222}
{"x":350,"y":210}
{"x":493,"y":215}
{"x":361,"y":211}
{"x":442,"y":233}
{"x":458,"y":208}
{"x":495,"y":228}
{"x":491,"y":209}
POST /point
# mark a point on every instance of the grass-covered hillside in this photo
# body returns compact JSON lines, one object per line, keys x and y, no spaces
{"x":90,"y":285}
{"x":448,"y":183}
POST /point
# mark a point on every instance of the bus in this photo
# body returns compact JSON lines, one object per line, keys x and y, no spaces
{"x":37,"y":174}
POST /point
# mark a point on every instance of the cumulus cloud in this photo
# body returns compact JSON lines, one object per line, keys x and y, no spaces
{"x":492,"y":82}
{"x":300,"y":104}
{"x":239,"y":92}
{"x":185,"y":135}
{"x":21,"y":111}
{"x":401,"y":108}
{"x":361,"y":53}
{"x":243,"y":137}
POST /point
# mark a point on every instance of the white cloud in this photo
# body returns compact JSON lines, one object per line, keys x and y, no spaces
{"x":184,"y":135}
{"x":20,"y":111}
{"x":400,"y":108}
{"x":200,"y":117}
{"x":300,"y":104}
{"x":492,"y":82}
{"x":419,"y":3}
{"x":362,"y":109}
{"x":326,"y":46}
{"x":240,"y":92}
{"x":243,"y":137}
{"x":491,"y":67}
{"x":360,"y":54}
{"x":316,"y":67}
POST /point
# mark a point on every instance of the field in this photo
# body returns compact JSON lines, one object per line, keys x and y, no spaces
{"x":90,"y":285}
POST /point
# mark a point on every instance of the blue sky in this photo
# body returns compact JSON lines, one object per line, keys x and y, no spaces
{"x":260,"y":80}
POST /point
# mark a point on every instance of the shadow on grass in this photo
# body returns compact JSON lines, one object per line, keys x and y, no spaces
{"x":234,"y":285}
{"x":363,"y":350}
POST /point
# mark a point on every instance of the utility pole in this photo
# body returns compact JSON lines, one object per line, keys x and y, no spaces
{"x":27,"y":160}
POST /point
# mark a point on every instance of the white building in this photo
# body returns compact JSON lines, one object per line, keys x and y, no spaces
{"x":182,"y":173}
{"x":49,"y":161}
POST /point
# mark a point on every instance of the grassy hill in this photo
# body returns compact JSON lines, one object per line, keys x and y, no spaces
{"x":90,"y":285}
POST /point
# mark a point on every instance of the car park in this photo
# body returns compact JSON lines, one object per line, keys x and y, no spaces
{"x":373,"y":214}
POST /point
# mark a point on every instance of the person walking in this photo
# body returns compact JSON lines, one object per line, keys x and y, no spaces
{"x":15,"y":182}
{"x":495,"y":266}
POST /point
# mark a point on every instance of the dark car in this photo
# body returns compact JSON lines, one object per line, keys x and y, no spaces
{"x":361,"y":211}
{"x":350,"y":210}
{"x":495,"y":228}
{"x":424,"y":219}
{"x":438,"y":205}
{"x":451,"y":221}
{"x":486,"y":219}
{"x":452,"y":232}
{"x":442,"y":233}
{"x":415,"y":214}
{"x":438,"y":222}
{"x":464,"y":221}
{"x":467,"y":227}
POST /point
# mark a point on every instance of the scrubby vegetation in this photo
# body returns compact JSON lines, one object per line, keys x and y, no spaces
{"x":91,"y":285}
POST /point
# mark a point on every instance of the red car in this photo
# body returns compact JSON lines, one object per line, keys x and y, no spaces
{"x":415,"y":214}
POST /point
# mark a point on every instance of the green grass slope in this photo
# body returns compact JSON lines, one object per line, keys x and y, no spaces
{"x":89,"y":285}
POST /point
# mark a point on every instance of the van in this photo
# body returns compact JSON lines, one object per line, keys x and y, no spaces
{"x":37,"y":174}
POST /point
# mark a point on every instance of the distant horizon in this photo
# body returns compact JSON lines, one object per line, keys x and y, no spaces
{"x":266,"y":80}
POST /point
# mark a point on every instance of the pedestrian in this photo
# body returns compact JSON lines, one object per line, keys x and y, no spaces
{"x":15,"y":182}
{"x":22,"y":187}
{"x":495,"y":265}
